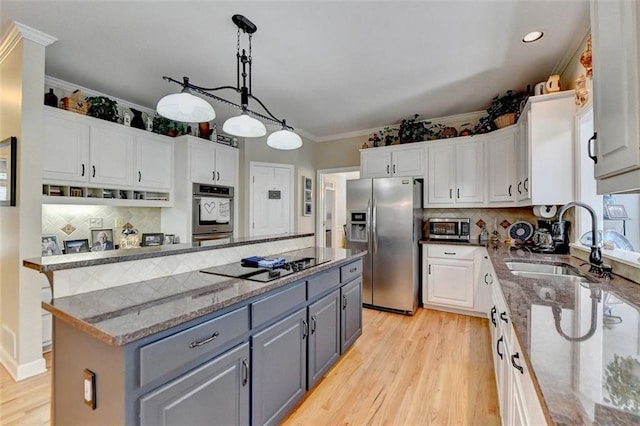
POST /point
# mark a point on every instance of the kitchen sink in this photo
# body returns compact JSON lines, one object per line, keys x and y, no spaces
{"x":545,"y":270}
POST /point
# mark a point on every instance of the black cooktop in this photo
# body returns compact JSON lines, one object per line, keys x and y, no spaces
{"x":238,"y":270}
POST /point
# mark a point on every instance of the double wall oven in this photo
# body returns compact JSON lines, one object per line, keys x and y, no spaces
{"x":212,"y":212}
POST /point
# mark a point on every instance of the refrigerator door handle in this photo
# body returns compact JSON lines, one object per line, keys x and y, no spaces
{"x":375,"y":226}
{"x":369,"y":226}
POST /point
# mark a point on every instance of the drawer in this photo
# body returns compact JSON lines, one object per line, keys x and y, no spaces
{"x":350,"y":271}
{"x":273,"y":306}
{"x":451,"y":252}
{"x":323,"y":282}
{"x":164,"y":356}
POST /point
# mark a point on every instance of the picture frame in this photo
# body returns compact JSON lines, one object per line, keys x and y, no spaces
{"x":8,"y":154}
{"x":153,"y":239}
{"x":50,"y":245}
{"x":76,"y":246}
{"x":97,"y":244}
{"x":616,"y":211}
{"x":307,"y":196}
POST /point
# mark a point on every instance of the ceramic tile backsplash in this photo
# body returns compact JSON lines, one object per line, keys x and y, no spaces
{"x":69,"y":282}
{"x":55,"y":218}
{"x":492,"y":218}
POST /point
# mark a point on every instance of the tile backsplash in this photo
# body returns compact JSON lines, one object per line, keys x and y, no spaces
{"x":72,"y":222}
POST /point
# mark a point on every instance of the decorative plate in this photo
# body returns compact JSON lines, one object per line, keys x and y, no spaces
{"x":521,"y":231}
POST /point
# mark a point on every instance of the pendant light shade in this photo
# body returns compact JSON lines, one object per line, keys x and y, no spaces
{"x":244,"y":126}
{"x":185,"y":107}
{"x":284,"y":139}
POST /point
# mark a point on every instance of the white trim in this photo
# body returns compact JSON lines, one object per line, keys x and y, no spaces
{"x":292,"y":201}
{"x":22,"y":371}
{"x":320,"y":198}
{"x":17,"y":32}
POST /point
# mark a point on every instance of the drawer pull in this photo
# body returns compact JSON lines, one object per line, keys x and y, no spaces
{"x":493,"y":316}
{"x":245,"y":372}
{"x":503,"y":317}
{"x":450,"y":253}
{"x":513,"y":362}
{"x":352,"y":270}
{"x":488,"y":278}
{"x":498,"y":347}
{"x":204,"y":341}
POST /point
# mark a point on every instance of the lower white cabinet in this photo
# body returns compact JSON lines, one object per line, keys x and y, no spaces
{"x":448,"y":272}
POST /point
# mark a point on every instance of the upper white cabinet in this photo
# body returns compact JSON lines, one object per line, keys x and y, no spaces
{"x":615,"y":36}
{"x":154,"y":162}
{"x":212,"y":163}
{"x":65,"y":152}
{"x":392,"y":161}
{"x":501,"y":160}
{"x":456,"y":173}
{"x":110,"y":156}
{"x":545,"y":150}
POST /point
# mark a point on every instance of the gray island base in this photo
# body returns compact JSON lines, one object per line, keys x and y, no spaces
{"x":214,"y":350}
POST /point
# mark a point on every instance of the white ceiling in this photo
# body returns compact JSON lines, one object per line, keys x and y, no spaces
{"x":330,"y":68}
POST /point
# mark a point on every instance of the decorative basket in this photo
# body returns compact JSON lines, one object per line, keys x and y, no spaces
{"x":505,"y":120}
{"x":76,"y":103}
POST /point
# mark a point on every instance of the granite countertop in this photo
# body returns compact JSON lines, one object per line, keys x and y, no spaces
{"x":81,"y":260}
{"x":123,"y":314}
{"x":572,"y":353}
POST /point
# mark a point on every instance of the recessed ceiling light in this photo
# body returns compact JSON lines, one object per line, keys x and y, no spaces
{"x":532,"y":36}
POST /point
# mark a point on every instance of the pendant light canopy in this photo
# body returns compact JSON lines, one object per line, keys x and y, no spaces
{"x":187,"y":107}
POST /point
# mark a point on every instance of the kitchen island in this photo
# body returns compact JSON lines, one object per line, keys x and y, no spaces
{"x":190,"y":347}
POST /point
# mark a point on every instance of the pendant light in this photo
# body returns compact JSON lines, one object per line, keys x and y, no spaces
{"x":187,"y":107}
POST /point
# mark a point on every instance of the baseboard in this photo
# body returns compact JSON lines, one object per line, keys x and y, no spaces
{"x":452,"y":310}
{"x":22,"y":371}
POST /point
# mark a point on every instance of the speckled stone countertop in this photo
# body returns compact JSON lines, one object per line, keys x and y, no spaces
{"x":80,"y":260}
{"x":582,"y":357}
{"x":127,"y":313}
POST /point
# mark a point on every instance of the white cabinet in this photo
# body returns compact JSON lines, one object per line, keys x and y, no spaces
{"x":110,"y":156}
{"x":448,"y":276}
{"x":484,"y":283}
{"x":392,"y":161}
{"x":212,"y":163}
{"x":154,"y":162}
{"x":65,"y":151}
{"x":456,"y":173}
{"x":545,"y":151}
{"x":615,"y":31}
{"x":501,"y":166}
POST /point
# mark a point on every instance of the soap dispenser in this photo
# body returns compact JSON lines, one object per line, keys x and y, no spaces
{"x":484,"y":235}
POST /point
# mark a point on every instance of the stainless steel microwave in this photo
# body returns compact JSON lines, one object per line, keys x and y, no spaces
{"x":212,"y":211}
{"x":449,"y":229}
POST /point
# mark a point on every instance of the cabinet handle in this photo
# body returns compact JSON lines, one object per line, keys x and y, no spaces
{"x":503,"y":317}
{"x":218,"y":174}
{"x":344,"y":302}
{"x":82,"y":169}
{"x":204,"y":341}
{"x":213,"y":176}
{"x":450,"y":193}
{"x":592,"y":139}
{"x":519,"y":191}
{"x":488,"y":275}
{"x":352,"y":270}
{"x":93,"y":171}
{"x":429,"y":269}
{"x":313,"y":324}
{"x":394,"y":169}
{"x":387,"y":169}
{"x":458,"y":193}
{"x":498,"y":347}
{"x":493,"y":316}
{"x":524,"y":184}
{"x":139,"y":176}
{"x":245,"y":372}
{"x":510,"y":190}
{"x":450,"y":253}
{"x":513,"y":362}
{"x":305,"y":329}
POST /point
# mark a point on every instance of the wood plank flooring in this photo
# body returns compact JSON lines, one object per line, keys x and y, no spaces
{"x":432,"y":368}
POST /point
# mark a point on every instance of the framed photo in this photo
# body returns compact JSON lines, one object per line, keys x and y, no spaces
{"x":102,"y":239}
{"x":169,"y":238}
{"x":152,"y":239}
{"x":307,"y":196}
{"x":50,"y":245}
{"x":8,"y":152}
{"x":616,"y":211}
{"x":76,"y":246}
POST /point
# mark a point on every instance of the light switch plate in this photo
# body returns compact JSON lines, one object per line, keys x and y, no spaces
{"x":95,"y":222}
{"x":90,"y":388}
{"x":119,"y":223}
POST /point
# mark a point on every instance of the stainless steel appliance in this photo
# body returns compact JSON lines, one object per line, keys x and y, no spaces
{"x":449,"y":229}
{"x":212,"y":212}
{"x":384,"y":216}
{"x":558,"y":236}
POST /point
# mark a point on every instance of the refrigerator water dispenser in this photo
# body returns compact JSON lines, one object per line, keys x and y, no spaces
{"x":358,"y":226}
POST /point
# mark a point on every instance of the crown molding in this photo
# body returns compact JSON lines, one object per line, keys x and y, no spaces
{"x":17,"y":32}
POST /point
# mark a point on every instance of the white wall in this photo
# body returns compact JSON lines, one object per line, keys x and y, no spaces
{"x":22,"y":54}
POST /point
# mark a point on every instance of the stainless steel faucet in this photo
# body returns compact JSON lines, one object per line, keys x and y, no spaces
{"x":595,"y":257}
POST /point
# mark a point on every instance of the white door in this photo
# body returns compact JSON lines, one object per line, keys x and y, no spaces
{"x":271,"y":202}
{"x":154,"y":162}
{"x":330,"y":229}
{"x":111,"y":156}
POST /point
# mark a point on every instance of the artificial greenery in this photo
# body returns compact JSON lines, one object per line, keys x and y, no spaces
{"x":508,"y":103}
{"x":412,"y":130}
{"x":165,"y":126}
{"x":375,"y":140}
{"x":389,"y":135}
{"x":103,"y":108}
{"x":623,"y":386}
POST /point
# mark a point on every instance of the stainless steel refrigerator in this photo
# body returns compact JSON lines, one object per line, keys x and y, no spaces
{"x":384,"y":216}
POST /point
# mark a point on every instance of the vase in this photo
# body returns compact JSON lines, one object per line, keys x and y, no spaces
{"x":51,"y":99}
{"x":137,"y":120}
{"x":204,"y":130}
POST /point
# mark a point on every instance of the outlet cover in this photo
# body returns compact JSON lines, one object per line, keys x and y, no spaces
{"x":119,"y":223}
{"x":95,"y":222}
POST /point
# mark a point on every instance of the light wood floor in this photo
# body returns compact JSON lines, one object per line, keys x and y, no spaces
{"x":432,"y":368}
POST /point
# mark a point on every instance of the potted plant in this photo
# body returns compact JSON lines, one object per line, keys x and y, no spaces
{"x":103,"y":108}
{"x":389,"y":135}
{"x":165,"y":126}
{"x":505,"y":110}
{"x":412,"y":130}
{"x":375,"y":140}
